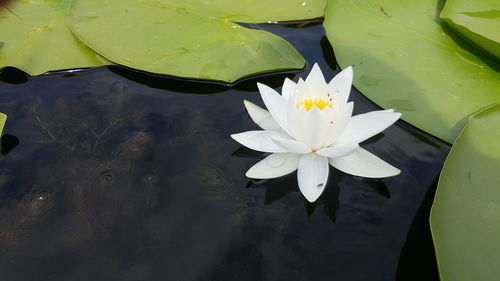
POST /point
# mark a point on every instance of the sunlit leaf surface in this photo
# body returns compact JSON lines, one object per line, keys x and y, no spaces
{"x":478,"y":20}
{"x":3,"y":118}
{"x":34,"y":37}
{"x":465,"y":217}
{"x":193,"y":39}
{"x":404,"y":59}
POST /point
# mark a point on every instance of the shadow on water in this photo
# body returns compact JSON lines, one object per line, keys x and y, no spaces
{"x":246,"y":153}
{"x":8,"y":143}
{"x":424,"y":137}
{"x":416,"y":262}
{"x":329,"y":203}
{"x":379,"y":186}
{"x":327,"y":51}
{"x":179,"y":85}
{"x":13,"y":76}
{"x":278,"y":188}
{"x":169,"y":83}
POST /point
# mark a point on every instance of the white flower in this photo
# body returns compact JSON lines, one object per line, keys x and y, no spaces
{"x":309,"y":126}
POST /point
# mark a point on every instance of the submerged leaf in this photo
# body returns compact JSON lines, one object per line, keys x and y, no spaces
{"x":404,"y":59}
{"x":35,"y":38}
{"x":194,"y":38}
{"x":478,"y":20}
{"x":466,"y":212}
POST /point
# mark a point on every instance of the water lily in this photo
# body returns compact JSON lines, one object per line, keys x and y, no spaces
{"x":309,"y":126}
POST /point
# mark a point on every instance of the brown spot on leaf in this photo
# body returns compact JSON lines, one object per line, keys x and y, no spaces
{"x":384,"y":12}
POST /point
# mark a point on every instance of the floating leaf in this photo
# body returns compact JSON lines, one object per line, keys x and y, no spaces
{"x":193,"y":39}
{"x":3,"y":119}
{"x":478,"y":20}
{"x":465,"y":217}
{"x":403,"y":59}
{"x":35,"y":38}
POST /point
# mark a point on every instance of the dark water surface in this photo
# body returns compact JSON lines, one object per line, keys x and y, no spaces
{"x":119,"y":175}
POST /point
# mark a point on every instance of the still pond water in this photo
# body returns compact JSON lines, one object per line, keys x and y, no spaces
{"x":119,"y":175}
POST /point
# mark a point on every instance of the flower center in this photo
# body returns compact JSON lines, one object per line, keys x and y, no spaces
{"x":319,"y":103}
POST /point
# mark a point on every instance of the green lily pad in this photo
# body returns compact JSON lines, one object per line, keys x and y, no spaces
{"x":465,"y":216}
{"x":478,"y":20}
{"x":3,"y":119}
{"x":403,"y":59}
{"x":191,"y":38}
{"x":35,"y":38}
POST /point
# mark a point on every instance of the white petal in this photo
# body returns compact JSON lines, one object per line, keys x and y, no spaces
{"x":292,"y":145}
{"x":314,"y":126}
{"x":294,"y":118}
{"x":303,"y":91}
{"x":274,"y":165}
{"x":289,"y":88}
{"x":261,"y":117}
{"x":364,"y":164}
{"x":340,"y":151}
{"x":260,"y":140}
{"x":315,"y":79}
{"x":312,"y":175}
{"x":340,"y":121}
{"x":365,"y":126}
{"x":275,"y":103}
{"x":340,"y":86}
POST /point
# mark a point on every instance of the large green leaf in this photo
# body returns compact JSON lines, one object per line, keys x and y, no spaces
{"x":191,"y":38}
{"x":478,"y":20}
{"x":35,"y":38}
{"x":3,"y":118}
{"x":465,"y":217}
{"x":403,"y":59}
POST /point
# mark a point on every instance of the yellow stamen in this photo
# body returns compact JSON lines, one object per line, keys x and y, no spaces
{"x":319,"y":103}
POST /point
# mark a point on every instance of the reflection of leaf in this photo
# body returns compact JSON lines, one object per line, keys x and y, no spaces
{"x":35,"y":38}
{"x":466,"y":212}
{"x":191,"y":38}
{"x":403,"y":59}
{"x":379,"y":186}
{"x":477,"y":20}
